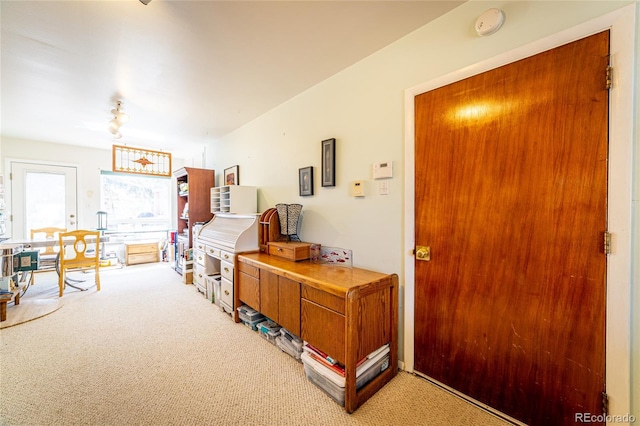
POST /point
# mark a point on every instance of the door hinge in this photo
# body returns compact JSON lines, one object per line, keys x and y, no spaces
{"x":609,"y":77}
{"x":605,"y":403}
{"x":607,"y":242}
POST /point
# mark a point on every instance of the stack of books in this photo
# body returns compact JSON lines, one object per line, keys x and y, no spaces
{"x":324,"y":359}
{"x":329,"y":375}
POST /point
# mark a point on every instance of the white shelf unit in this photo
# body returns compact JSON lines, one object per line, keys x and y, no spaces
{"x":234,"y":199}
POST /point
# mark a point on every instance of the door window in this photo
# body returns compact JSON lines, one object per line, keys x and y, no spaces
{"x":42,"y":195}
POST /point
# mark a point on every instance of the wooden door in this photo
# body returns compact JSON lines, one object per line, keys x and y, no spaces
{"x":511,"y":198}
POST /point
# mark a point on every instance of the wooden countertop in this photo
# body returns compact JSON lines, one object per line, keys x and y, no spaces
{"x":338,"y":280}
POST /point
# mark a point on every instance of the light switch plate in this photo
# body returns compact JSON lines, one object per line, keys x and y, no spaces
{"x":384,"y":187}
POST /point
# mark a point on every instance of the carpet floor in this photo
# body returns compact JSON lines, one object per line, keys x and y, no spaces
{"x":149,"y":350}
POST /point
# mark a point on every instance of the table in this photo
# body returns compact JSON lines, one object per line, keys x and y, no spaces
{"x":35,"y":244}
{"x":6,"y":298}
{"x":51,"y":243}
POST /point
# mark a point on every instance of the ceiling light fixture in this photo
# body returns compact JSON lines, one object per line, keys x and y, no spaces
{"x":145,"y":2}
{"x":119,"y":118}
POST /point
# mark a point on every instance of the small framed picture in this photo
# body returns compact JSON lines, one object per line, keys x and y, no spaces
{"x":232,"y":176}
{"x":329,"y":162}
{"x":305,"y":181}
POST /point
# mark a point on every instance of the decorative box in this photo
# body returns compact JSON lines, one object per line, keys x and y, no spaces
{"x":27,"y":261}
{"x":289,"y":250}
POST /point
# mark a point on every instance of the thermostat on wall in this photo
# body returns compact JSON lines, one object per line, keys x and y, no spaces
{"x":383,"y":170}
{"x":357,"y":188}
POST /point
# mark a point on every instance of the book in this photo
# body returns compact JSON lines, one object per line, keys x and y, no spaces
{"x":337,"y":368}
{"x":320,"y":353}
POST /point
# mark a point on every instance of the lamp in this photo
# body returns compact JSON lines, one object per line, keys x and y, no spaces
{"x":145,"y":2}
{"x":102,"y":221}
{"x":119,"y":118}
{"x":102,"y":226}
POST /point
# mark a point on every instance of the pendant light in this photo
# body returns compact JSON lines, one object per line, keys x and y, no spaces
{"x":119,"y":118}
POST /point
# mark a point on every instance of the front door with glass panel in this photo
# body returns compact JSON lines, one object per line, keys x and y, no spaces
{"x":42,"y":196}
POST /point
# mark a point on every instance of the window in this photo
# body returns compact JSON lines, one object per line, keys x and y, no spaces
{"x":135,"y":203}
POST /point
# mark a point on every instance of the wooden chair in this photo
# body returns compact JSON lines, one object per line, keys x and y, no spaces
{"x":75,"y":256}
{"x":48,"y":254}
{"x":50,"y":233}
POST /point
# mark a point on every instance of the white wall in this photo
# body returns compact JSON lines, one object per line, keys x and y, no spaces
{"x":89,"y":161}
{"x":362,"y":107}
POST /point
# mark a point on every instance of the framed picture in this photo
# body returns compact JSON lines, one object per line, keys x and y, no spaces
{"x":232,"y":176}
{"x":305,"y":181}
{"x":329,"y":162}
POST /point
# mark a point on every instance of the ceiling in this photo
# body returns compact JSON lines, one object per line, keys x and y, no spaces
{"x":187,"y":72}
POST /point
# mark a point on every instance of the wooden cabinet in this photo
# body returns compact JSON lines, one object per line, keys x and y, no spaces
{"x":276,"y":297}
{"x":248,"y":288}
{"x":289,"y":304}
{"x":320,"y":312}
{"x":346,"y":312}
{"x":141,"y":252}
{"x":193,"y":205}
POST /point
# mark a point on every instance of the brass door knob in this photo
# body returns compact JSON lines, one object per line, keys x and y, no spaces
{"x":423,"y":253}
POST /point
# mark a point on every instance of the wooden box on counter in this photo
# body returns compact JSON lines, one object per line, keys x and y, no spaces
{"x":290,"y":250}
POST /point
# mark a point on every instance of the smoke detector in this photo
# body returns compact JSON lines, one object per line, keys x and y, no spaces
{"x":489,"y":22}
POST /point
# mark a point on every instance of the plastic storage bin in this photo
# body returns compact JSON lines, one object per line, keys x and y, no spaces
{"x":289,"y":343}
{"x":213,"y":288}
{"x":333,"y":383}
{"x":250,"y":317}
{"x":269,"y":330}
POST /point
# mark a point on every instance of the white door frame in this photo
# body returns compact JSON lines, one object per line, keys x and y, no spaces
{"x":619,"y":266}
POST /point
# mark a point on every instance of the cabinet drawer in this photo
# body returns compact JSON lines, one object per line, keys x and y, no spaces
{"x":199,"y":274}
{"x":200,"y":246}
{"x":324,"y":329}
{"x":135,"y":258}
{"x":226,"y":270}
{"x":226,"y":292}
{"x":335,"y":303}
{"x":206,"y":263}
{"x":142,"y":248}
{"x":198,"y":278}
{"x":227,"y":256}
{"x":249,"y":269}
{"x":249,"y":290}
{"x":212,"y":251}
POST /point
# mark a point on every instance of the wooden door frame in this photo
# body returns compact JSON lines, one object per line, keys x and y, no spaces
{"x":618,"y":327}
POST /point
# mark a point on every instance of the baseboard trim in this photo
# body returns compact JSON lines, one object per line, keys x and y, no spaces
{"x":470,"y":400}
